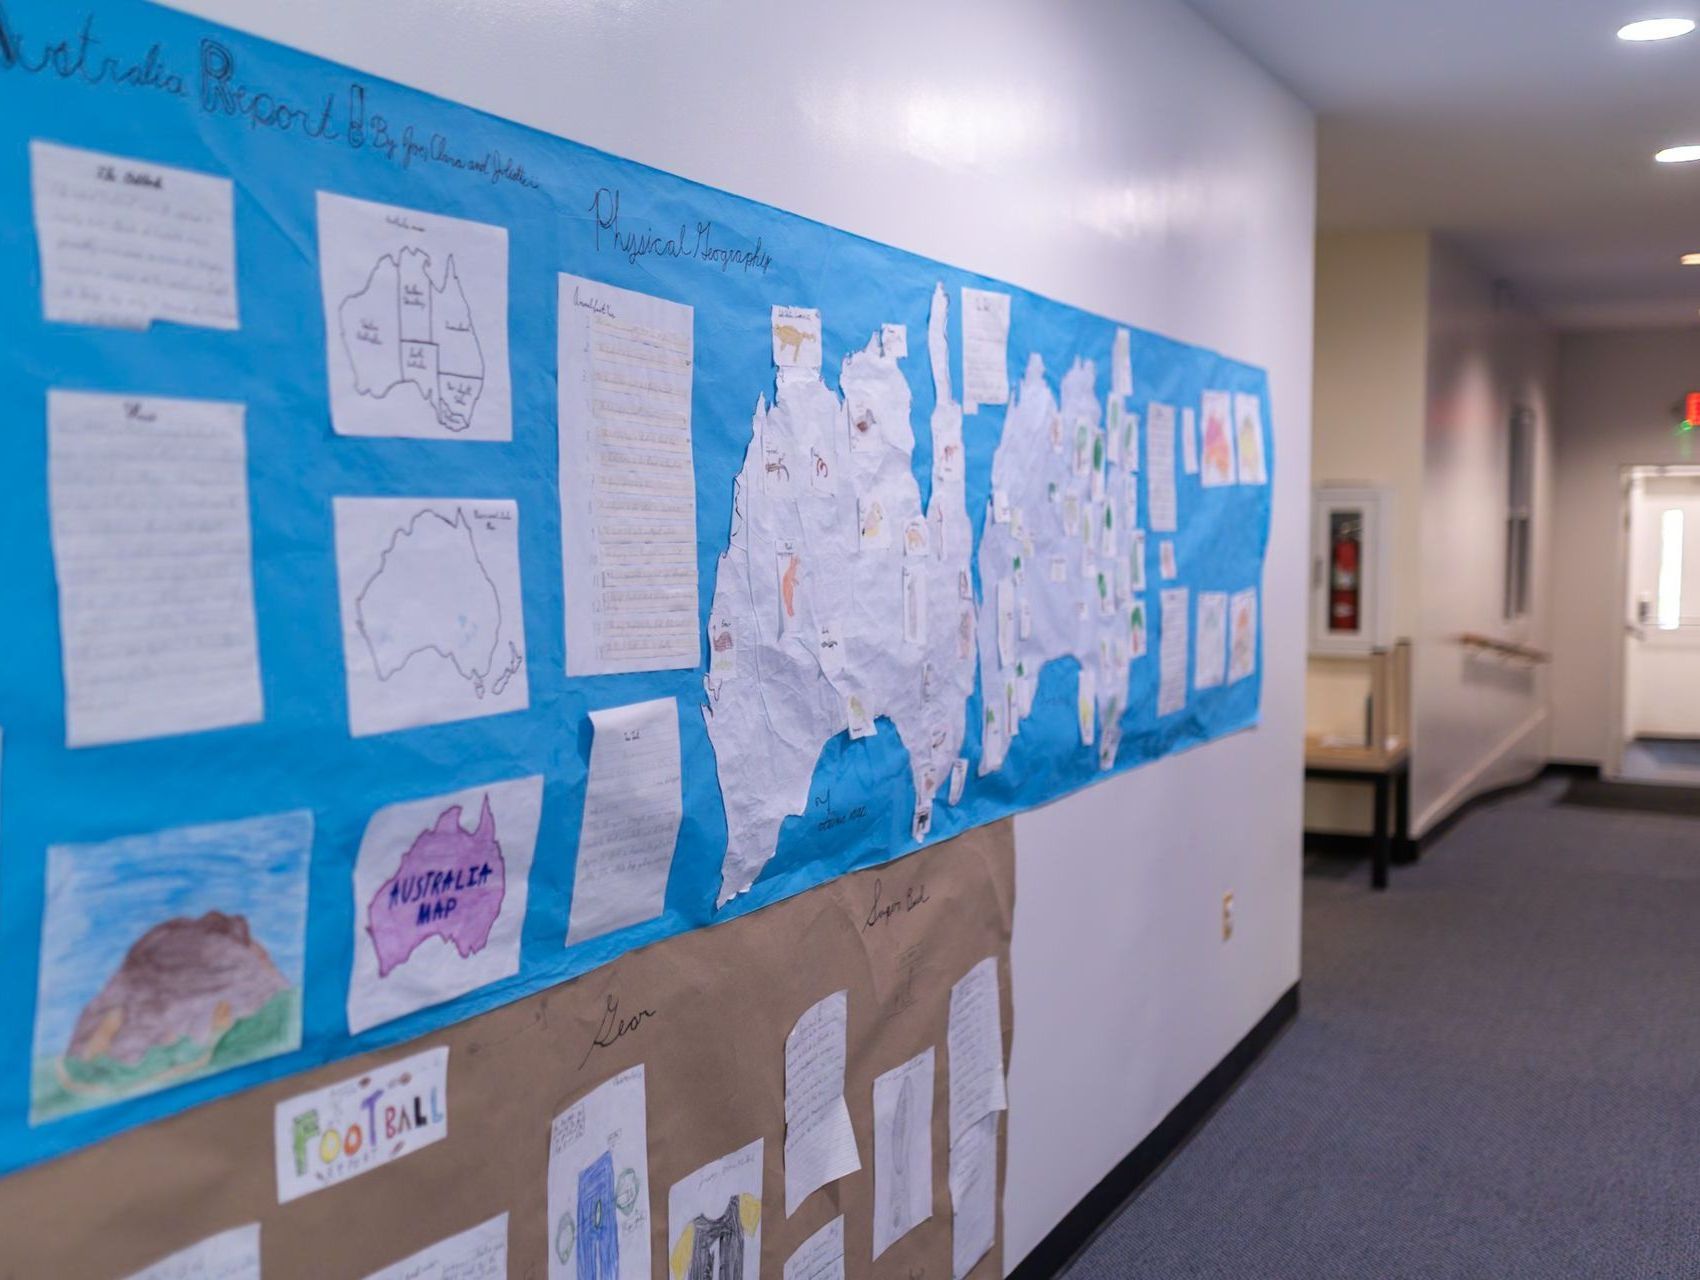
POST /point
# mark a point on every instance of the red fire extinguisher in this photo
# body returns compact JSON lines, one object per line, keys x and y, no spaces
{"x":1343,"y":582}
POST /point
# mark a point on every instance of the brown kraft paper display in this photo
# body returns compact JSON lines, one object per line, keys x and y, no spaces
{"x":707,"y":1014}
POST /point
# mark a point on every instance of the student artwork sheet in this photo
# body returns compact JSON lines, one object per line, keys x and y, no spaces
{"x":599,"y":1185}
{"x":633,"y":804}
{"x":628,"y":480}
{"x":1189,"y":441}
{"x":480,"y":1253}
{"x":1248,"y":416}
{"x":985,"y":348}
{"x":326,"y":1137}
{"x":1216,"y":465}
{"x":432,"y":629}
{"x":439,"y":898}
{"x":416,"y":322}
{"x":1242,"y":634}
{"x":796,"y":338}
{"x":167,"y":957}
{"x":903,"y":1150}
{"x":1172,"y":650}
{"x":125,"y":242}
{"x":1212,"y":640}
{"x":1160,"y":472}
{"x":821,"y":1256}
{"x":820,"y":1145}
{"x":151,"y":545}
{"x":974,"y":1040}
{"x":230,"y":1255}
{"x":714,"y":1219}
{"x":973,"y":1194}
{"x":599,"y":1211}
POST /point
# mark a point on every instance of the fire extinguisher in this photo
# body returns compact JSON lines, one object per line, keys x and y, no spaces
{"x":1343,"y":581}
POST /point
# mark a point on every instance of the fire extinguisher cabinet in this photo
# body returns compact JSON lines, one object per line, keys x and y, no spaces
{"x":1349,"y":569}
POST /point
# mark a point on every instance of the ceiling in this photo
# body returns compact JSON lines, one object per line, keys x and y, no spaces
{"x":1523,"y":129}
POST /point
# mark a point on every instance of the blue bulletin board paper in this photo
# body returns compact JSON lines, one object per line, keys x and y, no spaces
{"x":167,"y":89}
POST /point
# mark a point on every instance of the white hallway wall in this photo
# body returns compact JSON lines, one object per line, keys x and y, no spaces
{"x":1478,"y":722}
{"x":1118,"y":156}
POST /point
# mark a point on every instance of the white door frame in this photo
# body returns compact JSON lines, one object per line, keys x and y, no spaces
{"x":1627,"y":476}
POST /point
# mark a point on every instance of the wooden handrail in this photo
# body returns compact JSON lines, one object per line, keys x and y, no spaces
{"x":1504,"y":648}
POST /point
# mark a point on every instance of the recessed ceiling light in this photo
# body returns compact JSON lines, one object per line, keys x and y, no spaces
{"x":1679,"y":155}
{"x":1691,"y":259}
{"x":1656,"y":29}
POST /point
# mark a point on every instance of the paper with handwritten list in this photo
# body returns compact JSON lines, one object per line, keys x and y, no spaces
{"x":820,"y":1145}
{"x":974,"y":1039}
{"x":125,"y":242}
{"x":628,"y":480}
{"x":599,"y":1212}
{"x":230,"y":1255}
{"x":985,"y":348}
{"x":973,"y":1194}
{"x":151,"y":544}
{"x":1160,"y":474}
{"x":633,"y":804}
{"x":821,"y":1256}
{"x":1172,"y":647}
{"x":480,"y":1253}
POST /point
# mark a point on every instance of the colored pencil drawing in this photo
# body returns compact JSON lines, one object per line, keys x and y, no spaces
{"x":168,"y":957}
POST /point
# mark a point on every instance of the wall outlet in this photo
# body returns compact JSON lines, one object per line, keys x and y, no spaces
{"x":1227,"y":916}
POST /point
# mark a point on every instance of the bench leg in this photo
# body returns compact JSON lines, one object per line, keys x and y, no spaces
{"x":1383,"y":851}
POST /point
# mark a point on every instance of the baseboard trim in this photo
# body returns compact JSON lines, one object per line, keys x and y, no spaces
{"x":1552,"y":769}
{"x":1099,"y":1205}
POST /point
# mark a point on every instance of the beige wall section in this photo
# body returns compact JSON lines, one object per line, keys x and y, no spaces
{"x":1619,"y":397}
{"x":1478,"y":722}
{"x":1372,"y":316}
{"x":1418,"y":365}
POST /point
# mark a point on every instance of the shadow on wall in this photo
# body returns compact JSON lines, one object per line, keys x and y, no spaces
{"x":1481,"y":671}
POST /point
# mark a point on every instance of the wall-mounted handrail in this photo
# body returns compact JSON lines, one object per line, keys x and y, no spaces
{"x":1504,"y":648}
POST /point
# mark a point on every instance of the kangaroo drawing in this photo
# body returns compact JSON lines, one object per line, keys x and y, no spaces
{"x":792,"y":338}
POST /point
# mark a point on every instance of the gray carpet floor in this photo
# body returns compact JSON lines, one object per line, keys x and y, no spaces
{"x":1495,"y":1074}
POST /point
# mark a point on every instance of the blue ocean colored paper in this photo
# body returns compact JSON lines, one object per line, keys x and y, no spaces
{"x":131,"y":80}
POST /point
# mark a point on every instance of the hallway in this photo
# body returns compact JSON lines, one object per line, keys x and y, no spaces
{"x":1486,"y":1057}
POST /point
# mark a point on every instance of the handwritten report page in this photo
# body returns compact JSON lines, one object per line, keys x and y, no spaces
{"x":150,"y":529}
{"x":230,"y":1255}
{"x":974,"y":1039}
{"x":821,"y":1256}
{"x":628,"y":480}
{"x":632,"y":807}
{"x":985,"y":348}
{"x":1160,"y":476}
{"x":599,"y":1184}
{"x":1172,"y":651}
{"x":478,"y":1254}
{"x":820,"y":1145}
{"x":973,"y":1194}
{"x":125,"y":242}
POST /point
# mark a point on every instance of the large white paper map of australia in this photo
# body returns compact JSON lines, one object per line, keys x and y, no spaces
{"x":431,"y":618}
{"x":839,"y":601}
{"x":416,"y":336}
{"x":1062,"y":558}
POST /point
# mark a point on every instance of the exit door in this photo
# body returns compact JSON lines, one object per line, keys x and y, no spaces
{"x":1661,"y":712}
